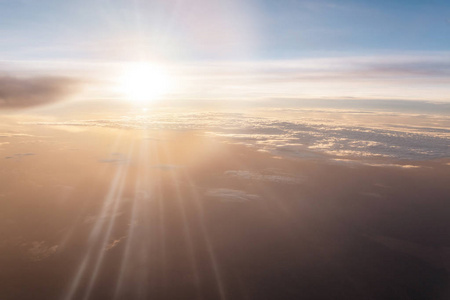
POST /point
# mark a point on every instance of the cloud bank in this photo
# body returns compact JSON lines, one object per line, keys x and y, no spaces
{"x":18,"y":92}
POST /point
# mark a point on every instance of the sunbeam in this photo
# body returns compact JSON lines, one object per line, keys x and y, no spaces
{"x":206,"y":237}
{"x":187,"y":230}
{"x":100,"y":234}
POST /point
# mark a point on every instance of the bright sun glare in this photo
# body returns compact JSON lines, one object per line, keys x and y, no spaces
{"x":144,"y":82}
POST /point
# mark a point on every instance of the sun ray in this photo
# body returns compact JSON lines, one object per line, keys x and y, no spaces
{"x":100,"y":233}
{"x":209,"y":246}
{"x":187,"y":226}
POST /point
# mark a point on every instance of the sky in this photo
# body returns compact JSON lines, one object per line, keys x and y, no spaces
{"x":237,"y":49}
{"x":243,"y":29}
{"x":224,"y":149}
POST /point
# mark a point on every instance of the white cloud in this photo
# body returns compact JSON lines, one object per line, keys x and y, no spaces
{"x":392,"y":165}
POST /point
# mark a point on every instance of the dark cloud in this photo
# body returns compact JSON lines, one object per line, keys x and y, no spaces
{"x":19,"y":155}
{"x":16,"y":92}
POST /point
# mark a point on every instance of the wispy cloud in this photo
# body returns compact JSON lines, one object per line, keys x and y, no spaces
{"x":114,"y":243}
{"x":407,"y":76}
{"x":39,"y":250}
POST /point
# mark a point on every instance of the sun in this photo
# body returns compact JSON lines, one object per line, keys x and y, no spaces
{"x":144,"y":82}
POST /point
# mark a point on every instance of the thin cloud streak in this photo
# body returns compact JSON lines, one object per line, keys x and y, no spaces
{"x":411,"y":76}
{"x":366,"y":77}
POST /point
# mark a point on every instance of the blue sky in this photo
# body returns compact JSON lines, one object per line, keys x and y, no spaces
{"x":297,"y":27}
{"x":240,"y":29}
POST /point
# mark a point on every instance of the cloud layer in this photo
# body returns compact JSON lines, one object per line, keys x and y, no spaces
{"x":304,"y":136}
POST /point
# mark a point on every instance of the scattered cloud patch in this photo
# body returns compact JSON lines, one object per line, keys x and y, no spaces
{"x":392,"y":165}
{"x":19,"y":155}
{"x":269,"y":176}
{"x":116,"y":158}
{"x":230,"y":195}
{"x":40,"y":250}
{"x":167,"y":167}
{"x":7,"y":134}
{"x":114,"y":243}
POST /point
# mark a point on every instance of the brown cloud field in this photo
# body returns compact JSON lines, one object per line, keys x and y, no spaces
{"x":108,"y":213}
